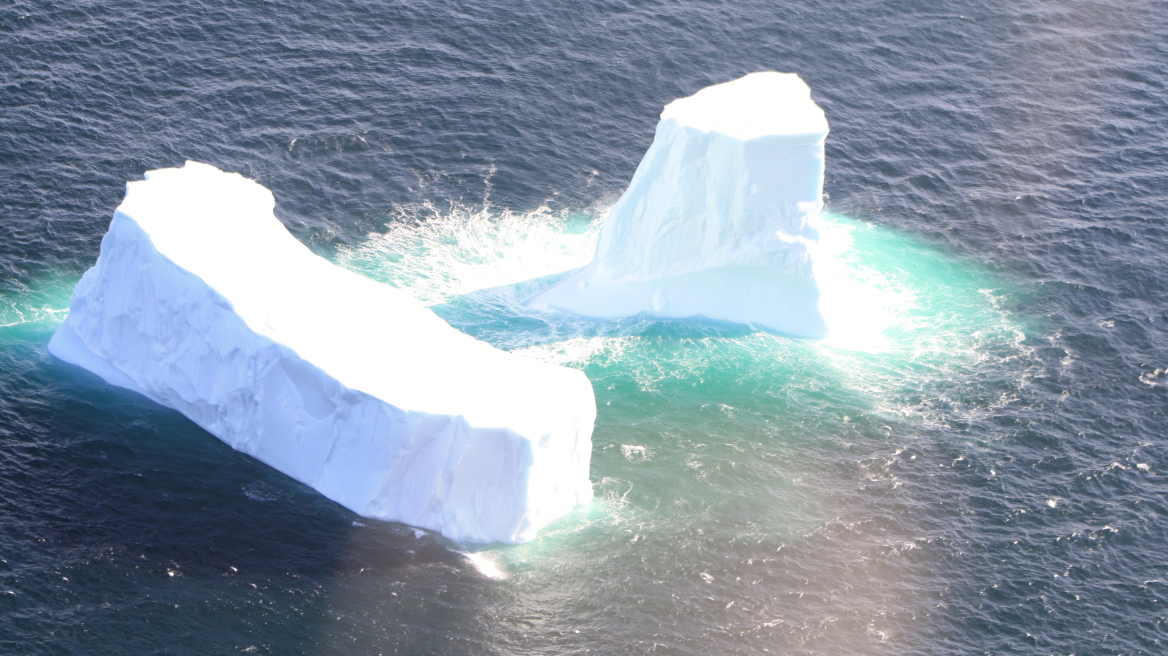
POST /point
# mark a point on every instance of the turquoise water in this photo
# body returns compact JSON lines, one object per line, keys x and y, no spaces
{"x":716,"y":421}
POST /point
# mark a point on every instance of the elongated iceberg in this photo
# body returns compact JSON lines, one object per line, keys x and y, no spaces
{"x":202,"y":301}
{"x":718,"y":219}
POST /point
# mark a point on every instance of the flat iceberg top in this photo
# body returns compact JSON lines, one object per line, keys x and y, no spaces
{"x":369,"y":336}
{"x":757,"y":105}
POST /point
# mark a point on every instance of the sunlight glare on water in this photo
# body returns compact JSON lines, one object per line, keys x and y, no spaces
{"x":859,"y":302}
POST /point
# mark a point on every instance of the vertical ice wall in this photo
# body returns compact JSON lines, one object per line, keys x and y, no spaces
{"x":716,"y":221}
{"x":205,"y":303}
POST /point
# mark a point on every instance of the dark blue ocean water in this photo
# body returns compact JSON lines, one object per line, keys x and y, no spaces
{"x":984,"y":470}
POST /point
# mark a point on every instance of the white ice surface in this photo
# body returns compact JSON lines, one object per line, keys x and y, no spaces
{"x":718,"y":220}
{"x":204,"y":302}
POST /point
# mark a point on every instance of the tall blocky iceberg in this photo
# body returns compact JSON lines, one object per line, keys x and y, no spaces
{"x":202,"y":301}
{"x":718,"y":219}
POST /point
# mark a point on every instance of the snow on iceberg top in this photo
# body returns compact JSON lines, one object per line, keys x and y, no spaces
{"x":757,"y":105}
{"x":221,"y":227}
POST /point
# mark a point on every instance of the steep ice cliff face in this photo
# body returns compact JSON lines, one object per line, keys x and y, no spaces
{"x":202,"y":301}
{"x":718,"y":218}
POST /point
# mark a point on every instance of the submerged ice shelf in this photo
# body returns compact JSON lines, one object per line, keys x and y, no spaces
{"x":718,"y":219}
{"x":202,"y":301}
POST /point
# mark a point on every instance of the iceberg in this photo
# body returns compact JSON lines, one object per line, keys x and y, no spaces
{"x":718,"y":220}
{"x":202,"y":301}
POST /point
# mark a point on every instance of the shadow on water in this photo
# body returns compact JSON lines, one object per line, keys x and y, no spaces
{"x":114,"y":510}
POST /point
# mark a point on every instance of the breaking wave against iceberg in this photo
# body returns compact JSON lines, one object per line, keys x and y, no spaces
{"x":440,"y":254}
{"x":884,"y":292}
{"x":908,"y":316}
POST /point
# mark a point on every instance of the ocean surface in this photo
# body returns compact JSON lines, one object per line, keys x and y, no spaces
{"x":977,"y":465}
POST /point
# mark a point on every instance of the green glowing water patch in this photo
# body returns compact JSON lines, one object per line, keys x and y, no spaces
{"x":942,"y":324}
{"x":887,"y":291}
{"x":750,"y":435}
{"x":905,"y":315}
{"x":40,"y":302}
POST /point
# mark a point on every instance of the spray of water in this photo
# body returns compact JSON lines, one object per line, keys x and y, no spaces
{"x":441,"y":255}
{"x":43,"y":302}
{"x":438,"y":255}
{"x":902,"y":312}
